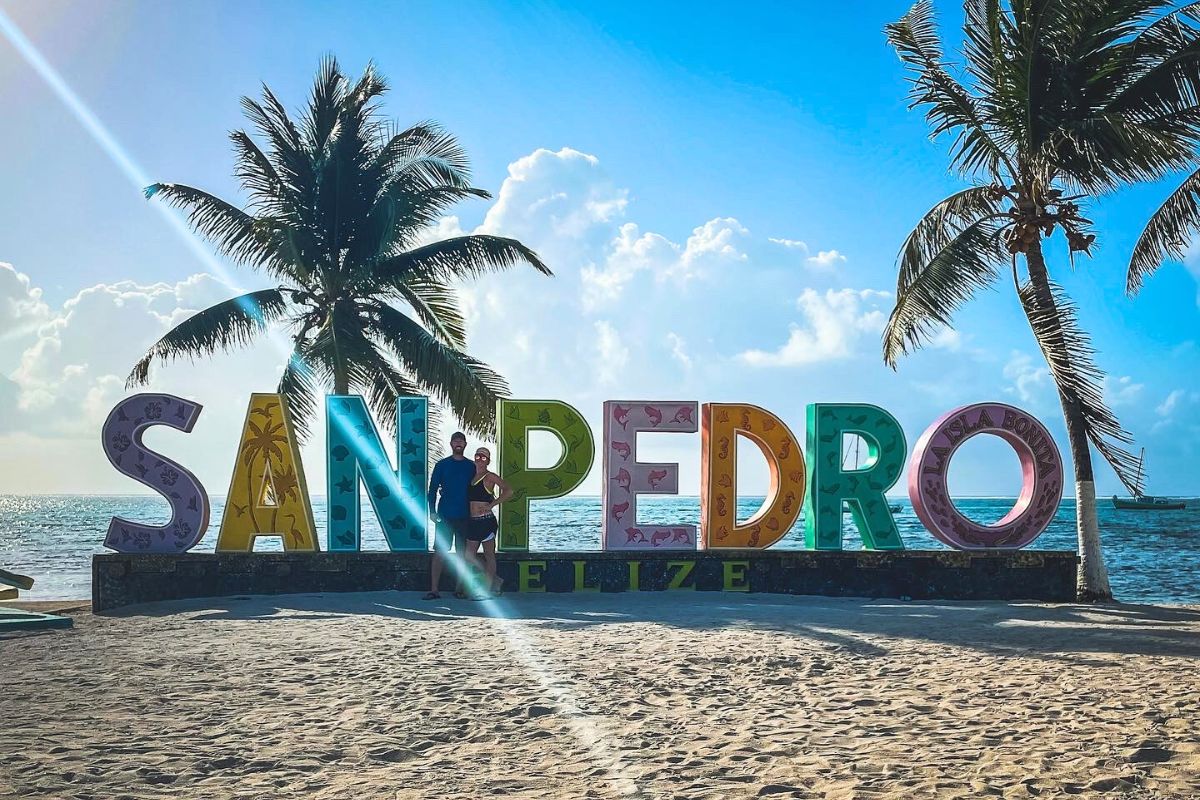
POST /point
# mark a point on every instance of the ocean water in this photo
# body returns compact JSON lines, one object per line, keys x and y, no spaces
{"x":1152,"y":556}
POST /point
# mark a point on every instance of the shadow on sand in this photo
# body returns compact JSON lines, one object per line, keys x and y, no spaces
{"x":1076,"y":634}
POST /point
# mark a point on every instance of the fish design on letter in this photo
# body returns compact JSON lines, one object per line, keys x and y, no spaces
{"x":621,"y":415}
{"x":634,"y":535}
{"x":619,"y":510}
{"x":654,"y":415}
{"x":656,"y":477}
{"x":768,"y":424}
{"x":622,"y":478}
{"x":660,"y":537}
{"x":622,"y":449}
{"x":785,"y":449}
{"x":684,"y":414}
{"x":680,"y":535}
{"x":725,"y":480}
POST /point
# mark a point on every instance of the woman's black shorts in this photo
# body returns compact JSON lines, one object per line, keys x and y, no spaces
{"x":482,"y":529}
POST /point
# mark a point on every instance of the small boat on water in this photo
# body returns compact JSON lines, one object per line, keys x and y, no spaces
{"x":895,"y":508}
{"x":1146,"y":502}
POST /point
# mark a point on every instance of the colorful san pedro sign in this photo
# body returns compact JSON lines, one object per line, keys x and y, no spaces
{"x":268,"y":495}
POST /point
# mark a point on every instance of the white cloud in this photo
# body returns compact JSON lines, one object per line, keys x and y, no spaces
{"x":835,"y":322}
{"x":22,"y":311}
{"x":445,"y":228}
{"x":611,"y":355}
{"x":70,"y":376}
{"x":630,"y":252}
{"x":791,"y":244}
{"x":1168,"y":405}
{"x":712,"y":244}
{"x":679,"y":350}
{"x":1029,"y":379}
{"x":826,"y":259}
{"x":1121,"y":391}
{"x":946,"y":339}
{"x":549,"y":197}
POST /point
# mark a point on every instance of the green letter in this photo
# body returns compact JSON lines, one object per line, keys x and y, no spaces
{"x":515,"y":418}
{"x":829,"y":483}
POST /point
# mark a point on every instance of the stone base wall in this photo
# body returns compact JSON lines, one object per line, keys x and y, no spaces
{"x":120,"y":579}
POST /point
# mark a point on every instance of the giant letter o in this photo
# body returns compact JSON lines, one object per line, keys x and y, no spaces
{"x":1041,"y":477}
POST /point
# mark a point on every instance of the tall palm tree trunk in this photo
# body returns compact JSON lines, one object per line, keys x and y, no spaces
{"x":1092,"y":582}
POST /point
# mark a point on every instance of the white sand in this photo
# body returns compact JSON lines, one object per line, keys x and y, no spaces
{"x":681,"y":695}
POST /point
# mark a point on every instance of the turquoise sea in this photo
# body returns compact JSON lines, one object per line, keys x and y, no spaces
{"x":1152,"y":556}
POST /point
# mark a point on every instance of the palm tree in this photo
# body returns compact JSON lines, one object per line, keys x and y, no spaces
{"x":1060,"y":101}
{"x":338,"y":202}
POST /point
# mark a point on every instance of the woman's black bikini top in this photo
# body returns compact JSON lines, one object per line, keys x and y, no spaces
{"x":478,"y":492}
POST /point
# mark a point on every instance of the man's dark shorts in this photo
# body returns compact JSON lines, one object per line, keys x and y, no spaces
{"x":450,"y":531}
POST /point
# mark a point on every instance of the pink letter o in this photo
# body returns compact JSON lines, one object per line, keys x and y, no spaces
{"x":1041,"y":477}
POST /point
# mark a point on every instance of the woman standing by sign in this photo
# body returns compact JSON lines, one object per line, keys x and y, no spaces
{"x":483,"y":524}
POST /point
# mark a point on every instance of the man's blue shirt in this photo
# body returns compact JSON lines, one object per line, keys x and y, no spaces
{"x":453,"y":476}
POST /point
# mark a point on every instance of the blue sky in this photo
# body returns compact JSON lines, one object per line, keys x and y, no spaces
{"x":667,"y":162}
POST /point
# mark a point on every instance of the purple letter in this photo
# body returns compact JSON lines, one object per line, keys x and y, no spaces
{"x":122,"y":440}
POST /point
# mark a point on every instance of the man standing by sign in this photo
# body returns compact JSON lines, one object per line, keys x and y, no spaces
{"x":451,"y":477}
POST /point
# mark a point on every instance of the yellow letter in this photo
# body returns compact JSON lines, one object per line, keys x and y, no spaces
{"x":579,"y":584}
{"x":685,"y":569}
{"x":268,"y":495}
{"x":720,"y":425}
{"x":527,"y":579}
{"x":735,"y":576}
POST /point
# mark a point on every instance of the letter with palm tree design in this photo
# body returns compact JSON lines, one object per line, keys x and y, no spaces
{"x":268,"y":495}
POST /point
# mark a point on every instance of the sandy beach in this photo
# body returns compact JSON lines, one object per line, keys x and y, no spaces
{"x":687,"y":695}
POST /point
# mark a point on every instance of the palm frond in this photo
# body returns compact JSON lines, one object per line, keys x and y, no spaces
{"x":436,"y":306}
{"x":458,"y":257}
{"x":960,"y":258}
{"x":232,"y":230}
{"x":324,"y":104}
{"x":940,"y":225}
{"x":301,"y":386}
{"x":256,"y":172}
{"x":231,"y":323}
{"x":950,"y":108}
{"x":1167,"y":234}
{"x":427,"y":153}
{"x":1069,"y":354}
{"x":469,"y":387}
